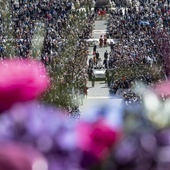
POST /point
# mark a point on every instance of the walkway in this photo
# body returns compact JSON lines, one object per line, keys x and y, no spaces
{"x":100,"y":92}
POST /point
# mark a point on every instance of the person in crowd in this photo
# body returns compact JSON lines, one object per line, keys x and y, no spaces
{"x":111,"y":46}
{"x":91,"y":63}
{"x":105,"y":63}
{"x":99,"y":64}
{"x":94,"y":48}
{"x":106,"y":55}
{"x":97,"y":55}
{"x":93,"y":79}
{"x":95,"y":60}
{"x":85,"y":90}
{"x":105,"y":41}
{"x":101,"y":41}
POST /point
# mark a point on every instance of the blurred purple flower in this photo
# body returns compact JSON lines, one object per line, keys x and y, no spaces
{"x":149,"y":150}
{"x":15,"y":156}
{"x":46,"y":129}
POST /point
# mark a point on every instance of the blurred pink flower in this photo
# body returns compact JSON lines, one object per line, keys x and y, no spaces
{"x":96,"y":140}
{"x":21,"y":80}
{"x":162,"y":89}
{"x":21,"y":157}
{"x":98,"y":130}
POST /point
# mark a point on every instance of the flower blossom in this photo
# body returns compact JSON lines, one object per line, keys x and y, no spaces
{"x":20,"y":81}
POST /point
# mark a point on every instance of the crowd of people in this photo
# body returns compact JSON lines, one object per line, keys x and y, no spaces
{"x":135,"y":34}
{"x":56,"y":15}
{"x":135,"y":28}
{"x":25,"y":16}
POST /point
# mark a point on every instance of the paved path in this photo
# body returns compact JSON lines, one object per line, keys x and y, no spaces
{"x":100,"y":92}
{"x":100,"y":29}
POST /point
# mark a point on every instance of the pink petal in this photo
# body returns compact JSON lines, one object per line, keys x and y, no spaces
{"x":163,"y":89}
{"x":21,"y":80}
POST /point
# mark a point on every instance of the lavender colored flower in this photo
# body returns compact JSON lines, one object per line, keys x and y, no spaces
{"x":46,"y":129}
{"x":148,"y":150}
{"x":15,"y":156}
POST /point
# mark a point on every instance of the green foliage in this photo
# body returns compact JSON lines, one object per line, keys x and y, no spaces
{"x":38,"y":39}
{"x":66,"y":69}
{"x":6,"y":13}
{"x":135,"y":70}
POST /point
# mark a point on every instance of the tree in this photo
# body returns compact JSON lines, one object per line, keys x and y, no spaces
{"x":68,"y":69}
{"x":67,"y":60}
{"x":7,"y":42}
{"x":162,"y":41}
